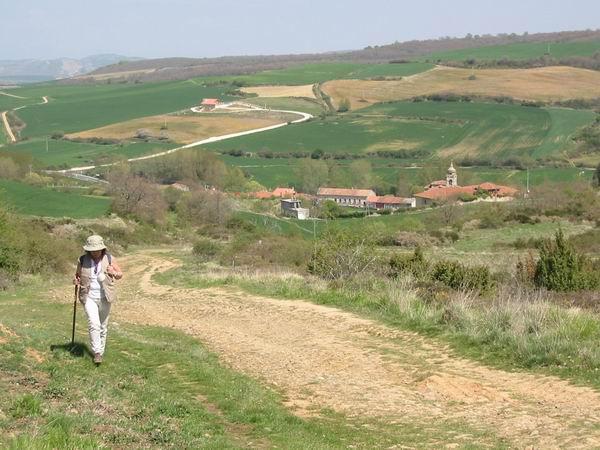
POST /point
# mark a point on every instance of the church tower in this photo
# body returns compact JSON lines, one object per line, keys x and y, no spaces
{"x":451,"y":176}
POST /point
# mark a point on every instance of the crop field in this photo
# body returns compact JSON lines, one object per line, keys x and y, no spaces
{"x":9,"y":99}
{"x":77,"y":108}
{"x":188,"y":128}
{"x":540,"y":84}
{"x":73,"y":154}
{"x":274,"y":172}
{"x":320,"y":72}
{"x":519,"y":51}
{"x":45,"y":202}
{"x":282,"y":91}
{"x":287,"y":103}
{"x":424,"y":129}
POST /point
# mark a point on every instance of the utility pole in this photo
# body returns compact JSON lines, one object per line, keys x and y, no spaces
{"x":46,"y":144}
{"x":527,"y":191}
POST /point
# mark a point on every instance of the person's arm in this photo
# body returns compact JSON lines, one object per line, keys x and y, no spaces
{"x":114,"y":270}
{"x":77,"y":278}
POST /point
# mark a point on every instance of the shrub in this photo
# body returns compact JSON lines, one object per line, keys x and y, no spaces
{"x":414,"y":264}
{"x":205,"y":250}
{"x":561,"y":268}
{"x":344,"y":105}
{"x":457,"y":276}
{"x":342,"y":254}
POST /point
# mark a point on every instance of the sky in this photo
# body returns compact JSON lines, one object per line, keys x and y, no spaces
{"x":46,"y":29}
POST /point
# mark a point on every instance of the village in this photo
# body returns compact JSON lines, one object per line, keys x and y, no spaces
{"x":436,"y":193}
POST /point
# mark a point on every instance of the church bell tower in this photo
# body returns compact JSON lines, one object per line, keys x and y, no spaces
{"x":451,"y":176}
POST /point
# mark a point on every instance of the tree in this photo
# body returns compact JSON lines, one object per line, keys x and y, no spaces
{"x":133,"y":195}
{"x":596,"y":178}
{"x":312,"y":174}
{"x":317,"y":154}
{"x":361,"y":174}
{"x":205,"y":207}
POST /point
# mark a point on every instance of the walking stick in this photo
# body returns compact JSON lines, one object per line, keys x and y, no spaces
{"x":74,"y":314}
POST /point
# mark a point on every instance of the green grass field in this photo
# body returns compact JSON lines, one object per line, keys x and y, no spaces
{"x":74,"y":108}
{"x":274,"y":172}
{"x":519,"y":51}
{"x":287,"y":103}
{"x":8,"y":102}
{"x":36,"y":201}
{"x":320,"y":72}
{"x":74,"y":154}
{"x":425,"y":129}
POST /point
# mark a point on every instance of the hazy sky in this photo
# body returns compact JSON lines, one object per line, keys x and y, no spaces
{"x":156,"y":28}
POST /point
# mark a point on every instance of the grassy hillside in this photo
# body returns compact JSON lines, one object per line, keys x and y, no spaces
{"x":74,"y":154}
{"x":525,"y":50}
{"x":320,"y":72}
{"x":543,"y":84}
{"x":425,"y":129}
{"x":282,"y":172}
{"x":77,"y":108}
{"x":287,"y":103}
{"x":45,"y":202}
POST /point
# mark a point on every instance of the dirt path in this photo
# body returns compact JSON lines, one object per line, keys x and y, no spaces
{"x":11,"y":95}
{"x":9,"y":132}
{"x":321,"y":357}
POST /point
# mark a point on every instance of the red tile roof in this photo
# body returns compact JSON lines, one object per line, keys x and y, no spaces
{"x":389,"y":200}
{"x":441,"y":193}
{"x":341,"y":192}
{"x":210,"y":101}
{"x":261,"y":194}
{"x":284,"y":192}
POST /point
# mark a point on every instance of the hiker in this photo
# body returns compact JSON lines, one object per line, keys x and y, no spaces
{"x":96,"y":274}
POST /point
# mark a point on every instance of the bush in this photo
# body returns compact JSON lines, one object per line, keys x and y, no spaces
{"x":457,"y":276}
{"x":414,"y":264}
{"x":205,"y":250}
{"x":342,"y":254}
{"x":561,"y":268}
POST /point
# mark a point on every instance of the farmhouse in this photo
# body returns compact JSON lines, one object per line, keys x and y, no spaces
{"x":448,"y":189}
{"x":277,"y":193}
{"x":356,"y":198}
{"x":209,"y":103}
{"x":390,"y":202}
{"x":292,"y":208}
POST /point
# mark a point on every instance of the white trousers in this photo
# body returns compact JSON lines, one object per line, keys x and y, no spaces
{"x":97,"y":313}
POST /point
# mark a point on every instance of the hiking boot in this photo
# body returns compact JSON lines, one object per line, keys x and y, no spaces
{"x":97,"y":358}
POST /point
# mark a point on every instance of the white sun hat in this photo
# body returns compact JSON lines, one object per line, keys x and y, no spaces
{"x":94,"y":243}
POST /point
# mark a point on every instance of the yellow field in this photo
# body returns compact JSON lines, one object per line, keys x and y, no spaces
{"x":187,"y":128}
{"x":540,"y":84}
{"x":281,"y":91}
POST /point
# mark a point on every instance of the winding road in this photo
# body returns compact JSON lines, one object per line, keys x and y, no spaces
{"x":304,"y":117}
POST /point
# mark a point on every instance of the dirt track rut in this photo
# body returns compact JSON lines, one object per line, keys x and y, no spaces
{"x":321,"y":357}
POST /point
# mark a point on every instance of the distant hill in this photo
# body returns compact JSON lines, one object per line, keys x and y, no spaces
{"x":184,"y":68}
{"x":34,"y":70}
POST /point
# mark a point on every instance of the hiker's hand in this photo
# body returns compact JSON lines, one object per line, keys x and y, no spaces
{"x":113,"y":272}
{"x":76,"y":280}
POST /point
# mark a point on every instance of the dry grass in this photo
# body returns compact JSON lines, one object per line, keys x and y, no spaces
{"x":282,"y":91}
{"x":186,"y":128}
{"x":106,"y":76}
{"x":540,"y":84}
